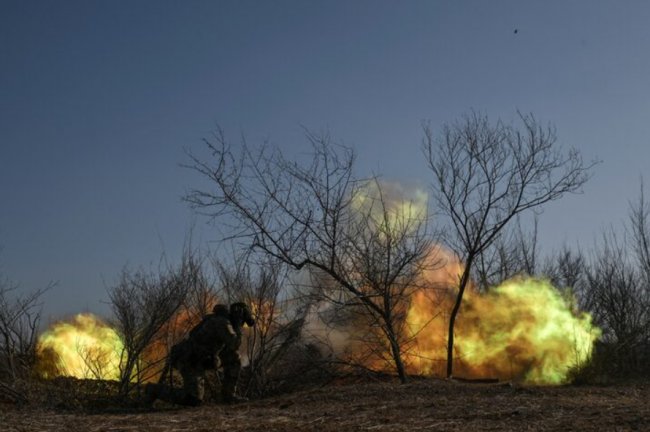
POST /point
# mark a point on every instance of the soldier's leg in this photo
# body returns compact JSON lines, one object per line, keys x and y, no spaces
{"x":160,"y":390}
{"x":231,"y":364}
{"x":188,"y":395}
{"x":193,"y":389}
{"x":179,"y":357}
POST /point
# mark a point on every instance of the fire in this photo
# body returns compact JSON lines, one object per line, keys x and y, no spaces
{"x":524,"y":329}
{"x":84,"y":347}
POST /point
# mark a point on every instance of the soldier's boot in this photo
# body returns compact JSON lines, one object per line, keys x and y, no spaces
{"x":228,"y":388}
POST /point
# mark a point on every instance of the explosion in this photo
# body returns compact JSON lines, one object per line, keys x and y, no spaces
{"x":84,"y":347}
{"x":524,"y":329}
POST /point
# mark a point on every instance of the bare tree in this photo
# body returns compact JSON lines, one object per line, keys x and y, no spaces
{"x":264,"y":287}
{"x":513,"y":252}
{"x":568,"y":269}
{"x":19,"y":319}
{"x":303,"y":215}
{"x":20,"y":316}
{"x":618,"y":291}
{"x":639,"y":227}
{"x":202,"y":293}
{"x":142,"y":304}
{"x":388,"y":252}
{"x":620,"y":301}
{"x":486,"y":174}
{"x":94,"y":360}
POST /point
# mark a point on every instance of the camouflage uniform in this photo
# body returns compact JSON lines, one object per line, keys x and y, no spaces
{"x":218,"y":334}
{"x":229,"y":355}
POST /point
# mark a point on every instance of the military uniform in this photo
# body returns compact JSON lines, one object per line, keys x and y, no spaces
{"x":218,"y":334}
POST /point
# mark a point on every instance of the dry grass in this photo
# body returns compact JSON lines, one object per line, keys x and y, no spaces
{"x":423,"y":404}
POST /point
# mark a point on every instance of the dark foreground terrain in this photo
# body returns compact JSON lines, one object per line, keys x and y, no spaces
{"x":420,"y":405}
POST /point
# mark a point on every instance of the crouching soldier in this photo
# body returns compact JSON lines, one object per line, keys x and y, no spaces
{"x":218,"y":334}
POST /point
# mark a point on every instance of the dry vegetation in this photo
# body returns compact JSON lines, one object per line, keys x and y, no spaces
{"x":362,"y":260}
{"x":422,"y":404}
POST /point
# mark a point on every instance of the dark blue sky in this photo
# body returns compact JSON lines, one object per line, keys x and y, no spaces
{"x":99,"y":99}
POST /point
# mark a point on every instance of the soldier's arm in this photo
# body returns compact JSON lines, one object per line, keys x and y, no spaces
{"x":228,"y":336}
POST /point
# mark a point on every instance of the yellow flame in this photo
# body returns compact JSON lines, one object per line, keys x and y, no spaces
{"x":524,"y":329}
{"x":85,"y":347}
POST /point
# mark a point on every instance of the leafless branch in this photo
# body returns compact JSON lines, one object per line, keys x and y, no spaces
{"x":485,"y":174}
{"x":307,"y":215}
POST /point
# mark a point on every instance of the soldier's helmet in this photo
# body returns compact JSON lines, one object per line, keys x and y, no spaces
{"x":220,"y":310}
{"x":240,"y":312}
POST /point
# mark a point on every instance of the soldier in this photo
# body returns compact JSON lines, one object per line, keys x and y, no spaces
{"x":217,"y":334}
{"x":229,"y":355}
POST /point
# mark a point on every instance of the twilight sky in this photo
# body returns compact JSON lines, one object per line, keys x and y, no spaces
{"x":99,"y":99}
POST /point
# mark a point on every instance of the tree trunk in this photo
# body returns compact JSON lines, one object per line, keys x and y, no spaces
{"x":454,"y":312}
{"x":127,"y":373}
{"x":396,"y":352}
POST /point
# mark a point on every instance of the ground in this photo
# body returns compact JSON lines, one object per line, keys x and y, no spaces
{"x":425,"y":404}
